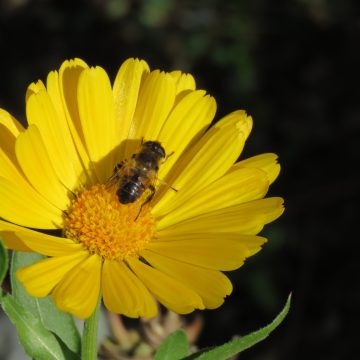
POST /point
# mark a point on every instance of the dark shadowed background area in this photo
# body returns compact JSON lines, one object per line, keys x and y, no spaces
{"x":294,"y":66}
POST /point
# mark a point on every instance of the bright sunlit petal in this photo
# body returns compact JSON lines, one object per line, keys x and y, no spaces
{"x":124,"y":293}
{"x":79,"y":290}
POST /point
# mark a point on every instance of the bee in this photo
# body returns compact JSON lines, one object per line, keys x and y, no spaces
{"x":136,"y":175}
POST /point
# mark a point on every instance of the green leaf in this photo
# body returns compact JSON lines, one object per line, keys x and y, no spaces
{"x":60,"y":323}
{"x":174,"y":347}
{"x":38,"y":342}
{"x":237,"y":346}
{"x":3,"y":262}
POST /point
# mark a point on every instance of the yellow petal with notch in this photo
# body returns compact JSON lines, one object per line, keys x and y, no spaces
{"x":212,"y":286}
{"x":10,"y":128}
{"x":237,"y":187}
{"x":56,"y":136}
{"x":169,"y":292}
{"x":124,"y":293}
{"x":266,"y":162}
{"x":38,"y":168}
{"x":97,"y":117}
{"x":126,"y":93}
{"x":183,"y":81}
{"x":217,"y":251}
{"x":156,"y":99}
{"x":10,"y":123}
{"x":63,"y":88}
{"x":209,"y":159}
{"x":79,"y":290}
{"x":248,"y":218}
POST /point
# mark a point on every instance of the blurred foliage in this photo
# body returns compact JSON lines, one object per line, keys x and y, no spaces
{"x":294,"y":66}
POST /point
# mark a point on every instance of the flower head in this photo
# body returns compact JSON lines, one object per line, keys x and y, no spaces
{"x":58,"y":174}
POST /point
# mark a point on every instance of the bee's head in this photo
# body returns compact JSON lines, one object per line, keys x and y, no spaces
{"x":155,"y":147}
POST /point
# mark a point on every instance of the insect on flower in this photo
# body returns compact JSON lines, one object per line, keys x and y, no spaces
{"x":103,"y":250}
{"x":135,"y":175}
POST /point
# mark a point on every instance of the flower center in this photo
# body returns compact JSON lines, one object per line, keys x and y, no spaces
{"x":106,"y":227}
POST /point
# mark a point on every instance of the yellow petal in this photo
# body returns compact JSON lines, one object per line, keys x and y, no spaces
{"x":183,"y":81}
{"x":10,"y":239}
{"x":266,"y":162}
{"x":217,"y":251}
{"x":34,"y":161}
{"x":40,"y":278}
{"x":156,"y":99}
{"x":169,"y":292}
{"x":9,"y":167}
{"x":186,"y":122}
{"x":98,"y":123}
{"x":22,"y":205}
{"x":63,"y":90}
{"x":56,"y":136}
{"x":38,"y":242}
{"x":9,"y":131}
{"x":47,"y":244}
{"x":247,"y":219}
{"x":10,"y":123}
{"x":234,"y":188}
{"x":34,"y":88}
{"x":212,"y":286}
{"x":20,"y":202}
{"x":12,"y":242}
{"x":124,"y":293}
{"x":209,"y":159}
{"x":78,"y":292}
{"x":126,"y":91}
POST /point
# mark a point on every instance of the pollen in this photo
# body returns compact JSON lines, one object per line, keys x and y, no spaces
{"x":106,"y":227}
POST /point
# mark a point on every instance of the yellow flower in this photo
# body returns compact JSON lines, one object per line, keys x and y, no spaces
{"x":54,"y":176}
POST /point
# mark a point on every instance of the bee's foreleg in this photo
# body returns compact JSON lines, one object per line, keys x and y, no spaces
{"x":167,"y":156}
{"x":166,"y":184}
{"x":118,"y":166}
{"x":148,"y":199}
{"x":115,"y":175}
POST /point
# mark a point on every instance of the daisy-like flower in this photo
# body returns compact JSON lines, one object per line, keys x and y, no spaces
{"x":54,"y":176}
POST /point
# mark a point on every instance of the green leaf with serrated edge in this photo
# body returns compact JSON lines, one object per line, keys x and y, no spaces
{"x":38,"y":342}
{"x":235,"y":347}
{"x":3,"y":262}
{"x":60,"y":323}
{"x":174,"y":347}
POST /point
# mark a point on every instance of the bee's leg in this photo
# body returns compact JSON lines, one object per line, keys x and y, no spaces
{"x":148,"y":199}
{"x":166,"y":184}
{"x":167,"y":156}
{"x":114,"y":177}
{"x":117,"y":167}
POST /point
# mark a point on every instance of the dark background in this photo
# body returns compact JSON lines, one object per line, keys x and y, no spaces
{"x":294,"y":66}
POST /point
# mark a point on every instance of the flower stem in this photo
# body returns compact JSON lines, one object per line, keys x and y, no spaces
{"x":89,"y":338}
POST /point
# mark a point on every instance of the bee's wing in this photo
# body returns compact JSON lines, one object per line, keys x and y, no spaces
{"x":120,"y":171}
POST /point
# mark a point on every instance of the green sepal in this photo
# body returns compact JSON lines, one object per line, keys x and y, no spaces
{"x":54,"y":320}
{"x":38,"y":342}
{"x":174,"y":347}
